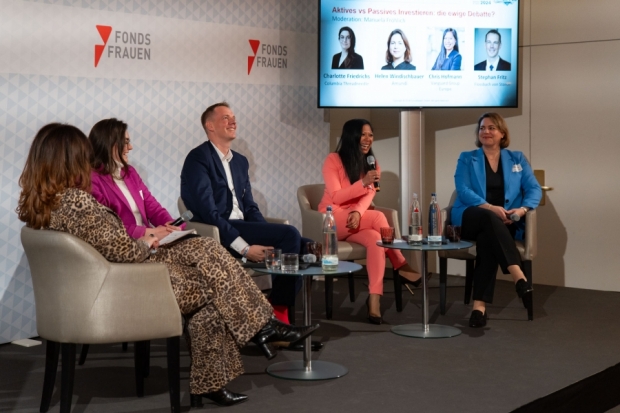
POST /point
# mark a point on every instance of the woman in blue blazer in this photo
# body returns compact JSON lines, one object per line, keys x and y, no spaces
{"x":493,"y":184}
{"x":449,"y":57}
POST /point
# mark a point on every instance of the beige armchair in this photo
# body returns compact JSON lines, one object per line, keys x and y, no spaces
{"x":81,"y":298}
{"x":309,"y":197}
{"x":528,"y":249}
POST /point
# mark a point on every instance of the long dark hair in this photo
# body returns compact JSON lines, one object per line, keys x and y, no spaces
{"x":354,"y":161}
{"x":105,"y":137}
{"x":442,"y":54}
{"x":349,"y":59}
{"x":58,"y":159}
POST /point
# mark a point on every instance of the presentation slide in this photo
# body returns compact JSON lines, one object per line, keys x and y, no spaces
{"x":418,"y":53}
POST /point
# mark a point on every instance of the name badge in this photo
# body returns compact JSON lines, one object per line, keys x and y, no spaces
{"x":517,"y":167}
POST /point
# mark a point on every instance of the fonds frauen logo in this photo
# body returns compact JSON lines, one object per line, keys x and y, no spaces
{"x":270,"y":56}
{"x":123,"y":45}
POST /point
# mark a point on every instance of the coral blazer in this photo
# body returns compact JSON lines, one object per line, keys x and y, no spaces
{"x":342,"y":194}
{"x":105,"y":190}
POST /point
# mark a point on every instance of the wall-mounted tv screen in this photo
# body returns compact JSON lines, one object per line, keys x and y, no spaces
{"x":418,"y":53}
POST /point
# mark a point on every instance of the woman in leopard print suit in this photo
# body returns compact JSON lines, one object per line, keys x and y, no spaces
{"x":223,"y":307}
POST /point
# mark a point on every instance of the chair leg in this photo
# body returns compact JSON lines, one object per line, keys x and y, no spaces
{"x":124,"y":346}
{"x":66,"y":376}
{"x":147,"y":359}
{"x":469,"y":280}
{"x":443,"y":279}
{"x":329,"y":296}
{"x":398,"y":290}
{"x":174,"y":377}
{"x":527,"y":271}
{"x":351,"y":288}
{"x":51,"y":368}
{"x":83,"y":354}
{"x":291,"y":314}
{"x":139,"y":359}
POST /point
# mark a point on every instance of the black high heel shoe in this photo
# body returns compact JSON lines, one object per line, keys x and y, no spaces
{"x":221,"y":397}
{"x":373,"y":319}
{"x":525,"y":294}
{"x":415,"y":283}
{"x":275,"y":330}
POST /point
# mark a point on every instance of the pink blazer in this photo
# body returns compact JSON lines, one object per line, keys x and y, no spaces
{"x":339,"y":192}
{"x":105,"y":190}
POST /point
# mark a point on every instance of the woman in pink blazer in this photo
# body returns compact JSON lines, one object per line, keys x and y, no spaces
{"x":118,"y":186}
{"x":349,"y":189}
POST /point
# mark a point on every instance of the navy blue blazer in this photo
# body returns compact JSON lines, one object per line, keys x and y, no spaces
{"x":205,"y":192}
{"x":520,"y":186}
{"x":452,"y":62}
{"x":501,"y":65}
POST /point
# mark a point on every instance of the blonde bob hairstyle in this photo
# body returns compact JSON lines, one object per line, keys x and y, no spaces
{"x":500,"y":123}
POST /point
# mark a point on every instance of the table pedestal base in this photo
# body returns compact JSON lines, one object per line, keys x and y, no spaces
{"x":295,"y":370}
{"x":431,"y":331}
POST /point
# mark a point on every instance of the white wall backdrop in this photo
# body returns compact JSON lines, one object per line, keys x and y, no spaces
{"x":198,"y":55}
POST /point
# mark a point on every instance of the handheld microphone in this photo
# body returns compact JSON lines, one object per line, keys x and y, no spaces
{"x":515,"y":217}
{"x":186,"y":216}
{"x":373,"y":167}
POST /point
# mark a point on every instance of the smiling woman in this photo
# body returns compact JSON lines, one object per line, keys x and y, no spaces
{"x":349,"y":189}
{"x":495,"y":188}
{"x":398,"y":55}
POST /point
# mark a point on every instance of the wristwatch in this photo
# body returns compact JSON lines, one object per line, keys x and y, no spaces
{"x":244,"y":258}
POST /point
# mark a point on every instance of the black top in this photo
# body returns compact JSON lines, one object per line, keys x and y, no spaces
{"x":495,"y":183}
{"x":357,"y":62}
{"x":401,"y":66}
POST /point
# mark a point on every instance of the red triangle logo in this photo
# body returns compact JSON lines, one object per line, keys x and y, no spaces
{"x":104,"y":32}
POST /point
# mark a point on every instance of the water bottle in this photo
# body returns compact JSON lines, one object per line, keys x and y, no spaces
{"x":415,"y":222}
{"x":434,"y":223}
{"x":329,"y":262}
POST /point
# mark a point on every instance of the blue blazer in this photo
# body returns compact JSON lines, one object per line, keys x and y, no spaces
{"x":520,"y":186}
{"x":205,"y":192}
{"x":452,"y":62}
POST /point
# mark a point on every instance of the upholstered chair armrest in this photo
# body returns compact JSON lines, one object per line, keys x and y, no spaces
{"x":392,"y":219}
{"x":312,"y":224}
{"x":531,"y":236}
{"x":445,"y":217}
{"x":205,"y":230}
{"x":137,"y":301}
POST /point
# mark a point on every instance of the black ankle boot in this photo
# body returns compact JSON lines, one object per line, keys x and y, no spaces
{"x":221,"y":397}
{"x":276,"y":330}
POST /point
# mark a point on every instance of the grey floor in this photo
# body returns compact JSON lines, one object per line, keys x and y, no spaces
{"x":509,"y":363}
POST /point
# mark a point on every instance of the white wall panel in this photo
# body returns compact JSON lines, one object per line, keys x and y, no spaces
{"x":199,"y":57}
{"x":566,"y":21}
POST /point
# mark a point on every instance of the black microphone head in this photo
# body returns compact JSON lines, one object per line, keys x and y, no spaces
{"x":370,"y":160}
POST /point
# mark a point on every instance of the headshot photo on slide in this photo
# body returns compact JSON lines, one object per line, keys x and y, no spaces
{"x":493,"y":50}
{"x":347,"y":58}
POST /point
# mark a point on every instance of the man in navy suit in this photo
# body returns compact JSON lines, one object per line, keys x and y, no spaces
{"x":215,"y":186}
{"x":492,"y":43}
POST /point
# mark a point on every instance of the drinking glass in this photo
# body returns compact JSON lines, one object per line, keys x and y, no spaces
{"x":273,"y":259}
{"x":387,"y":235}
{"x":290,"y":262}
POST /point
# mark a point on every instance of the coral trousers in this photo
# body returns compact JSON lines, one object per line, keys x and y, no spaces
{"x":367,"y":234}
